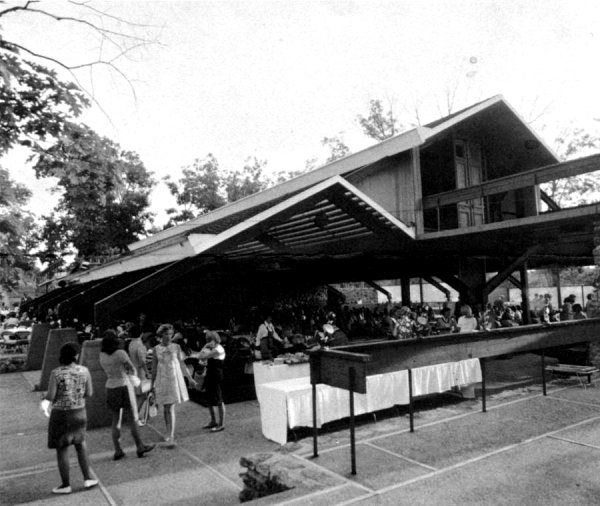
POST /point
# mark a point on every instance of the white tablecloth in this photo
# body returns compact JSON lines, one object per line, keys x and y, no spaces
{"x":288,"y":402}
{"x":268,"y":372}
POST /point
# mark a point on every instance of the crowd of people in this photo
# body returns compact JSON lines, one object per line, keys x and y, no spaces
{"x":143,"y":360}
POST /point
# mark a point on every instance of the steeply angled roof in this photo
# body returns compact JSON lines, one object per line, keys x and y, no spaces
{"x":237,"y":212}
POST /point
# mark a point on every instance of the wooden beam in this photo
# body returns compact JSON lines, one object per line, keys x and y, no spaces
{"x":515,"y":281}
{"x":525,"y":294}
{"x":439,"y":286}
{"x":380,"y":288}
{"x":453,"y":282}
{"x":370,"y":221}
{"x":405,"y":291}
{"x":417,"y":190}
{"x":514,"y":182}
{"x":272,"y":243}
{"x":549,"y":201}
{"x":493,"y":283}
{"x":388,"y":356}
{"x":262,"y":227}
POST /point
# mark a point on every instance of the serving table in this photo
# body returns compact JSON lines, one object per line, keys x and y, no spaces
{"x":284,"y":393}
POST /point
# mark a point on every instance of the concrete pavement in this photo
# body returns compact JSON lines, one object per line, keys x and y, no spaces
{"x":527,"y":449}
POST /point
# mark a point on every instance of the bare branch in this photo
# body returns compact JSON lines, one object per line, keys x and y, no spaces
{"x":18,"y":7}
{"x":102,"y":31}
{"x":110,"y":16}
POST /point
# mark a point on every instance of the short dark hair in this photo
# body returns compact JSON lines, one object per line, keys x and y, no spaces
{"x":68,"y":353}
{"x":135,"y":331}
{"x":213,"y":336}
{"x":110,"y":342}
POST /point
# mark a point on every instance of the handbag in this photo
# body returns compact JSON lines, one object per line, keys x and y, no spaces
{"x":134,"y":380}
{"x":144,"y":387}
{"x":152,"y":407}
{"x":148,"y":409}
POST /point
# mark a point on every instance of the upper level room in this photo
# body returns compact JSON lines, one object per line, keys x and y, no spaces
{"x":482,"y":146}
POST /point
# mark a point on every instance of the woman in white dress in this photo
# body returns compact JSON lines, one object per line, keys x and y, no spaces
{"x":168,"y":371}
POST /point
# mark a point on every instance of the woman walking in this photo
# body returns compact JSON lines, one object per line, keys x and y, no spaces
{"x":168,"y":371}
{"x":120,"y":395}
{"x":214,"y":354}
{"x":68,"y":387}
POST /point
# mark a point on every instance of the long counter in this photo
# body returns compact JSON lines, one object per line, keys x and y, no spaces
{"x":284,"y":393}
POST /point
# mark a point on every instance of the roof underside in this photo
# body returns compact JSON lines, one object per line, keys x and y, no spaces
{"x":332,"y":218}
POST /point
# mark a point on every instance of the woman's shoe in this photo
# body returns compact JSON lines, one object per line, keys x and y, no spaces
{"x":62,"y":490}
{"x":144,"y":450}
{"x":218,"y":428}
{"x":211,"y":425}
{"x":118,"y":455}
{"x":90,"y":483}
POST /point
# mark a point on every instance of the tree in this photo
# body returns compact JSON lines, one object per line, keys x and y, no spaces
{"x":379,"y":124}
{"x":104,"y":204}
{"x":577,"y":190}
{"x":98,"y":212}
{"x":116,"y":39}
{"x":337,"y":147}
{"x":251,"y":179}
{"x":14,"y":223}
{"x":35,"y":102}
{"x":197,"y":192}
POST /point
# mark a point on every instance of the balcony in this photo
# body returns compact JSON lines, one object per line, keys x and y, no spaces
{"x":510,"y":198}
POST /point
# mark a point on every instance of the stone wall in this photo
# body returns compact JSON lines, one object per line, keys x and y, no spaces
{"x":357,"y":291}
{"x":271,"y":473}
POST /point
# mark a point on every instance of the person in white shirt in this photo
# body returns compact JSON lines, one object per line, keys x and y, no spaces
{"x":11,"y":320}
{"x":267,"y":339}
{"x":467,"y":322}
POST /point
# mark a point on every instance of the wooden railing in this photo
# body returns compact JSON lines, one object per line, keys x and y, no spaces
{"x":518,"y":181}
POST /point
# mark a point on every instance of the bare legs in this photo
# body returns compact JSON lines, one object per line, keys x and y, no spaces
{"x":221,"y":409}
{"x":169,"y":413}
{"x":82,"y":457}
{"x":117,"y":417}
{"x":62,"y":457}
{"x":116,"y":432}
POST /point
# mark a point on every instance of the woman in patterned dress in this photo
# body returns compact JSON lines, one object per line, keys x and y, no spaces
{"x":168,"y":370}
{"x":68,"y":387}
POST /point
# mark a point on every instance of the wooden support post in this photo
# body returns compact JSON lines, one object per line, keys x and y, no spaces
{"x":525,"y":294}
{"x":411,"y":410}
{"x":556,"y":278}
{"x":483,"y":392}
{"x":543,"y":373}
{"x":405,"y":291}
{"x":351,"y":379}
{"x":315,"y":431}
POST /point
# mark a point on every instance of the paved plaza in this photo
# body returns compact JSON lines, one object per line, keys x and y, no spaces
{"x":526,"y":450}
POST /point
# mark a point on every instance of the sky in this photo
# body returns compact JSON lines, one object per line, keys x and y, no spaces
{"x":270,"y":79}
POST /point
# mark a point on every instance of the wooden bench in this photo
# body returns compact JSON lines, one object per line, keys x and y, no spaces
{"x":573,"y":370}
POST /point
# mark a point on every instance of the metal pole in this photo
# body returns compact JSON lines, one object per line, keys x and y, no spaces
{"x":314,"y":407}
{"x":543,"y":373}
{"x":483,"y":393}
{"x":351,"y":373}
{"x":411,"y":412}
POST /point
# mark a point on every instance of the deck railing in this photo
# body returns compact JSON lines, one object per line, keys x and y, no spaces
{"x":529,"y":179}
